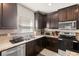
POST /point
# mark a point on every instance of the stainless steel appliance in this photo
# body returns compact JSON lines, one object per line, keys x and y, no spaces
{"x":75,"y":46}
{"x":67,"y":25}
{"x":66,"y":38}
{"x":65,"y":43}
{"x":15,"y":51}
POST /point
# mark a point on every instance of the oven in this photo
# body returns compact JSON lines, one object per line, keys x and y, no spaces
{"x":75,"y":47}
{"x":65,"y":42}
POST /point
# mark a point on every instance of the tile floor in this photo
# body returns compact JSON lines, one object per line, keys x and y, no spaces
{"x":46,"y":52}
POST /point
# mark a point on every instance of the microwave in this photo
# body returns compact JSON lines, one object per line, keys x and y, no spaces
{"x":67,"y":25}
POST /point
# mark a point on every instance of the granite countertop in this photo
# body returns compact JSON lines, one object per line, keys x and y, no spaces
{"x":5,"y":44}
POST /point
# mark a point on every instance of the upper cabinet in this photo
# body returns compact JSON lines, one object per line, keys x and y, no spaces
{"x":40,"y":20}
{"x":72,"y":13}
{"x":69,"y":13}
{"x":62,"y":15}
{"x":52,"y":20}
{"x":8,"y":16}
{"x":48,"y":24}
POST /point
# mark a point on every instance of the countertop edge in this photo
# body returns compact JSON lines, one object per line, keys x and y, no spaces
{"x":25,"y":41}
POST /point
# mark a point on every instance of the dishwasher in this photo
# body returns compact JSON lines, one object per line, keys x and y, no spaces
{"x":15,"y":51}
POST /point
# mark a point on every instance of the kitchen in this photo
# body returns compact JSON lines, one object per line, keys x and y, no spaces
{"x":26,"y":30}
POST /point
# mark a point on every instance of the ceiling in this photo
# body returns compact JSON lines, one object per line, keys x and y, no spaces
{"x":46,"y":7}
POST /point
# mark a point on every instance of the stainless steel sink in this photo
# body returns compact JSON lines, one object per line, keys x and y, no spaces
{"x":16,"y":40}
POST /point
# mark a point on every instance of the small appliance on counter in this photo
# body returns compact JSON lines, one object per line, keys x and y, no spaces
{"x":47,"y":33}
{"x":52,"y":33}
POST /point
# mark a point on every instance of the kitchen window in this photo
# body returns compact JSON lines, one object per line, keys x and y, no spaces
{"x":26,"y":25}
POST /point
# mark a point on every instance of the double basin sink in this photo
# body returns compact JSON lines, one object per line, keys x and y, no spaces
{"x":18,"y":39}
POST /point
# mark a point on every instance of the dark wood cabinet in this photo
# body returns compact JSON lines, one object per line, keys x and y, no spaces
{"x":69,"y":13}
{"x":52,"y":20}
{"x":34,"y":47}
{"x":52,"y":44}
{"x":30,"y":48}
{"x":40,"y":20}
{"x":8,"y":16}
{"x":40,"y":44}
{"x":62,"y":15}
{"x":0,"y":14}
{"x":48,"y":21}
{"x":72,"y":13}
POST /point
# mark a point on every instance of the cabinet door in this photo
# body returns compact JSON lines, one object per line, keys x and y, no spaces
{"x":40,"y":20}
{"x":52,"y":44}
{"x":48,"y":21}
{"x":44,"y":21}
{"x":72,"y":13}
{"x":62,"y":15}
{"x":0,"y":14}
{"x":30,"y":48}
{"x":54,"y":21}
{"x":39,"y":46}
{"x":9,"y":15}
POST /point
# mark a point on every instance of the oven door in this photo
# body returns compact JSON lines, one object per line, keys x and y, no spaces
{"x":62,"y":47}
{"x":75,"y":46}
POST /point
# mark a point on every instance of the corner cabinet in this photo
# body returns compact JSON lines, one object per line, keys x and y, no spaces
{"x":40,"y":20}
{"x":8,"y":16}
{"x":52,"y":44}
{"x":34,"y":47}
{"x":52,"y":20}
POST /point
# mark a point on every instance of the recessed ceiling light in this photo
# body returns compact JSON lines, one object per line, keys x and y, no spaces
{"x":50,"y":4}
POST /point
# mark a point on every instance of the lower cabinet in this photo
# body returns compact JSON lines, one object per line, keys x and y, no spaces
{"x":40,"y":44}
{"x":34,"y":47}
{"x":52,"y":44}
{"x":30,"y":48}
